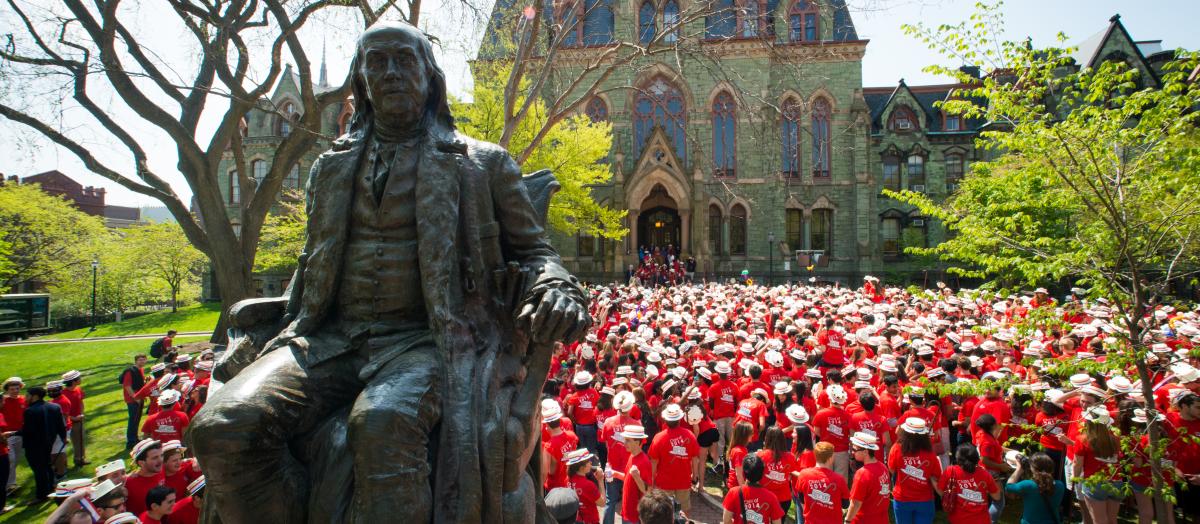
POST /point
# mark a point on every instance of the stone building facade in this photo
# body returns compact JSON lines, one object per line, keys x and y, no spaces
{"x":761,"y":150}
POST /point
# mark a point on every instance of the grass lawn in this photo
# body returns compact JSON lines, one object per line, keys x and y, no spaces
{"x":196,"y":317}
{"x":100,"y":362}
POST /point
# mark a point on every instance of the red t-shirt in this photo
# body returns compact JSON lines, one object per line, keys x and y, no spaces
{"x":989,"y":448}
{"x":558,"y":446}
{"x":777,"y":473}
{"x":972,"y":491}
{"x":914,"y":474}
{"x":674,"y":449}
{"x":138,"y":486}
{"x":823,"y":492}
{"x":630,"y":494}
{"x":834,"y":424}
{"x":617,"y":455}
{"x":1182,"y":448}
{"x":14,"y":413}
{"x":582,"y":406}
{"x":998,"y":409}
{"x":1050,"y":428}
{"x":723,"y":399}
{"x":76,"y":396}
{"x":589,"y":495}
{"x":873,"y":487}
{"x":188,"y":471}
{"x":184,"y":512}
{"x":1093,"y":464}
{"x":873,"y":422}
{"x":145,"y":518}
{"x":735,"y":457}
{"x":64,"y":404}
{"x":761,"y":505}
{"x":751,"y":410}
{"x":166,"y":425}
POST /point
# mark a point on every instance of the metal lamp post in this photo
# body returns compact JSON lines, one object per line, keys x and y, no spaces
{"x":770,"y":258}
{"x":95,"y":267}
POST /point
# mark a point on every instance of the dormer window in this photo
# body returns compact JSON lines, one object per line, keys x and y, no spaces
{"x":903,"y":119}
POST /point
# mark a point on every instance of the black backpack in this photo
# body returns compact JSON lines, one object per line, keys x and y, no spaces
{"x":137,"y":382}
{"x":156,"y":348}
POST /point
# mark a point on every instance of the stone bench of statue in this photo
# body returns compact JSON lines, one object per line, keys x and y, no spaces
{"x":399,"y":381}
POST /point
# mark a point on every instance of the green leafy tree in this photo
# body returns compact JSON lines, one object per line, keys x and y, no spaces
{"x":282,"y":238}
{"x":47,"y":237}
{"x":575,"y":148}
{"x":1093,"y":180}
{"x":163,"y":253}
{"x":6,"y":264}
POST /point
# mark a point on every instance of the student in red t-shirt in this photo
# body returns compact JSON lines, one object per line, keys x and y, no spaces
{"x":14,"y":418}
{"x":871,"y":491}
{"x":832,"y":425}
{"x":917,"y":470}
{"x":751,"y":503}
{"x":586,"y":481}
{"x":147,"y":454}
{"x":781,"y":466}
{"x":742,"y":433}
{"x":672,"y":452}
{"x":1097,"y":452}
{"x":722,"y":398}
{"x":555,"y":446}
{"x":967,"y":487}
{"x":187,"y":510}
{"x":160,"y":500}
{"x":637,"y":473}
{"x":178,"y":472}
{"x":822,"y":488}
{"x":169,"y":423}
{"x":581,"y":409}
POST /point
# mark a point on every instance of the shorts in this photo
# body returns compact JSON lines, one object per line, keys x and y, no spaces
{"x":1103,"y":491}
{"x":708,"y":438}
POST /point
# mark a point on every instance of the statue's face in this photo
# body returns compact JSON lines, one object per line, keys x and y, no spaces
{"x":393,"y":69}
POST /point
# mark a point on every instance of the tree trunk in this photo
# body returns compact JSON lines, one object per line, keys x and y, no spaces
{"x":234,"y":280}
{"x":174,"y":299}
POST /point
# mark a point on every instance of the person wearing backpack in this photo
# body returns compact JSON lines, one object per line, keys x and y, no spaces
{"x":160,"y":348}
{"x":132,"y":379}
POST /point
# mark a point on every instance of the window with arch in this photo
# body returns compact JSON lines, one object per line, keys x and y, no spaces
{"x":597,"y":22}
{"x":737,"y":230}
{"x":724,"y":123}
{"x":714,"y":230}
{"x":891,"y":172}
{"x":722,"y":21}
{"x":903,"y":119}
{"x":955,"y":167}
{"x":259,"y":169}
{"x":795,"y":229}
{"x":235,"y":189}
{"x":647,"y":22}
{"x":748,"y":21}
{"x":344,"y":122}
{"x":288,"y":117}
{"x":660,"y":104}
{"x":916,"y":172}
{"x":566,"y":17}
{"x":292,"y":181}
{"x":821,"y":143}
{"x":670,"y":22}
{"x":596,"y":109}
{"x":803,"y":18}
{"x":789,"y":137}
{"x":820,"y":235}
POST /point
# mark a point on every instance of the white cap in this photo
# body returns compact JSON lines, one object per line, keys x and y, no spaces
{"x":582,"y":378}
{"x":551,"y":412}
{"x":836,"y":394}
{"x":168,"y":398}
{"x":724,"y":368}
{"x":624,"y":401}
{"x":672,"y":413}
{"x":796,"y":414}
{"x":782,"y":388}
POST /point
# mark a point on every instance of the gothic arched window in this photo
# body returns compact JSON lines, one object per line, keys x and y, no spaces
{"x":821,"y":142}
{"x":737,"y":230}
{"x":660,"y":104}
{"x":597,"y":110}
{"x":288,"y":117}
{"x":789,"y":136}
{"x":714,"y":230}
{"x":803,"y":18}
{"x":597,"y":22}
{"x":647,"y":22}
{"x":724,"y":123}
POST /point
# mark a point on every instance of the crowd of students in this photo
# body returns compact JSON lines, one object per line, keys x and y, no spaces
{"x":165,"y":484}
{"x":864,"y":405}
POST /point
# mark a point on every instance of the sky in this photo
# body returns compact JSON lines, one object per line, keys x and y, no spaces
{"x":891,"y":55}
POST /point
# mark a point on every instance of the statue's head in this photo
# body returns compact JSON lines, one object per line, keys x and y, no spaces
{"x":395,"y":78}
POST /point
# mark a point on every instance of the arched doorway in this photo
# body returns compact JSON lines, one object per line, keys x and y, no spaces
{"x":659,"y":227}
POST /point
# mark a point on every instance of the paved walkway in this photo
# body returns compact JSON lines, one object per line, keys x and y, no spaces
{"x":95,"y":339}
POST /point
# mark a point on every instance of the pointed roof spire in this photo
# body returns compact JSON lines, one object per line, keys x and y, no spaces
{"x":324,"y":81}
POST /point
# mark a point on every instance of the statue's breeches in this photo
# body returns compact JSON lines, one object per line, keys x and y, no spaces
{"x":242,"y":435}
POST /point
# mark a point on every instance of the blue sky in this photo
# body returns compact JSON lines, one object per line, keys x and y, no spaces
{"x":891,"y":55}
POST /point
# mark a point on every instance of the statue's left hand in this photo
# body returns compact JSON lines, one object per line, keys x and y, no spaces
{"x":555,"y":316}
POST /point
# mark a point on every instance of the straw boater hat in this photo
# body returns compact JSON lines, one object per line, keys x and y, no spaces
{"x":915,"y":426}
{"x":672,"y":413}
{"x":574,"y":457}
{"x":13,"y":380}
{"x":123,"y":518}
{"x":196,"y":485}
{"x":102,"y":489}
{"x":141,"y":447}
{"x":583,"y":378}
{"x":623,"y":401}
{"x":110,"y":468}
{"x":864,"y":440}
{"x":782,"y":388}
{"x":796,"y":414}
{"x":71,"y":375}
{"x":634,"y":432}
{"x":1098,"y":415}
{"x":551,"y":412}
{"x":1139,"y":416}
{"x":836,"y":394}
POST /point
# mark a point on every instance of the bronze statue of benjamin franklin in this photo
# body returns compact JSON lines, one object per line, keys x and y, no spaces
{"x":423,"y":306}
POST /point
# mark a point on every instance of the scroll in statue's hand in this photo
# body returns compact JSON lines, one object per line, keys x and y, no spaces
{"x":554,"y":316}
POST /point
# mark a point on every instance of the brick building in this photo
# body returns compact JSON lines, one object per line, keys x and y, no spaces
{"x":88,"y":199}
